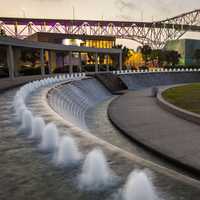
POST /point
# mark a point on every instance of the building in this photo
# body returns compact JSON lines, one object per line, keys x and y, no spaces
{"x":45,"y":57}
{"x":87,"y":40}
{"x":187,"y":49}
{"x":101,"y":42}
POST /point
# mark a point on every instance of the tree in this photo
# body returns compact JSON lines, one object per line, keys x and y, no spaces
{"x":139,"y":49}
{"x":146,"y":53}
{"x":125,"y":52}
{"x":157,"y":57}
{"x":172,"y":57}
{"x":161,"y":57}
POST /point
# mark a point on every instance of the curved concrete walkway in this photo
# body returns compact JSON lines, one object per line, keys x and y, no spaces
{"x":139,"y":117}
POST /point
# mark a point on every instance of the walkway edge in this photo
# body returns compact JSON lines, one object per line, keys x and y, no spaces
{"x":179,"y":112}
{"x":8,"y":83}
{"x":185,"y":166}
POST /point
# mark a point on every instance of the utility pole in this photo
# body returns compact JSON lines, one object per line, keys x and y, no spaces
{"x":142,"y":17}
{"x":73,"y":12}
{"x":23,"y":12}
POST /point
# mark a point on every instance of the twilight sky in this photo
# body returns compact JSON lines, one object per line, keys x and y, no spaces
{"x":99,"y":9}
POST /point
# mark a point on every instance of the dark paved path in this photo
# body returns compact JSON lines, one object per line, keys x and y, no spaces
{"x":138,"y":115}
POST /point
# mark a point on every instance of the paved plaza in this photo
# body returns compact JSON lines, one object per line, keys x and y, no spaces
{"x":139,"y":116}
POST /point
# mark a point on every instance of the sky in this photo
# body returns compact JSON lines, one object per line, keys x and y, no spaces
{"x":126,"y":10}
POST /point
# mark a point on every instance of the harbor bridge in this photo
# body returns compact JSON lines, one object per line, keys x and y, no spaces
{"x":155,"y":33}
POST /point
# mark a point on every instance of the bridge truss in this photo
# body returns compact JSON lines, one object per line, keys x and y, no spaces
{"x":155,"y":34}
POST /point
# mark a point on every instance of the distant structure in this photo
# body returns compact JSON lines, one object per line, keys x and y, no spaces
{"x":24,"y":57}
{"x":155,"y":33}
{"x":189,"y":50}
{"x":86,"y":40}
{"x":104,"y":42}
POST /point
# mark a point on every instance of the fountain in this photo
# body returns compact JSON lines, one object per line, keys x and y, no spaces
{"x":96,"y":174}
{"x":68,"y":153}
{"x":50,"y":138}
{"x":72,"y":100}
{"x":18,"y":101}
{"x":27,"y":119}
{"x":19,"y":112}
{"x":37,"y":128}
{"x":139,"y":187}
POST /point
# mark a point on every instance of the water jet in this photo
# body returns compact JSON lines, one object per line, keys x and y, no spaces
{"x":27,"y":119}
{"x":37,"y":128}
{"x":50,"y":138}
{"x":96,"y":173}
{"x":68,"y":153}
{"x":139,"y":187}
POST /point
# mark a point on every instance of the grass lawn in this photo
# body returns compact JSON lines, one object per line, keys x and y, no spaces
{"x":186,"y":97}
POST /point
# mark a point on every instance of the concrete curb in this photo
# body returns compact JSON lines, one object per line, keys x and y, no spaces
{"x":179,"y":112}
{"x":146,"y":145}
{"x":7,"y":83}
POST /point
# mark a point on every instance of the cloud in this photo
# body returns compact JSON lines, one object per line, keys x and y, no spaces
{"x":125,"y":5}
{"x":157,"y":9}
{"x":51,"y":1}
{"x":162,"y":7}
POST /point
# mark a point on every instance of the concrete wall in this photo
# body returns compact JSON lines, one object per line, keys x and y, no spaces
{"x":111,"y":81}
{"x":144,"y":80}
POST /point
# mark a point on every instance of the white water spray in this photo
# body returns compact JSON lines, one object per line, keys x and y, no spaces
{"x":68,"y":153}
{"x":50,"y":138}
{"x":37,"y":128}
{"x":96,"y":174}
{"x":27,"y":119}
{"x":139,"y":187}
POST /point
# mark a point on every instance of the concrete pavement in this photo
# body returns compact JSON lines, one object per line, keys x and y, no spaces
{"x":139,"y":117}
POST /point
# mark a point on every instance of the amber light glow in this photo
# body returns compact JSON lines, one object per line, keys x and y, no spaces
{"x":134,"y":60}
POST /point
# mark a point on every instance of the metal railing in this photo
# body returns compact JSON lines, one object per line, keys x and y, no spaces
{"x":159,"y":70}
